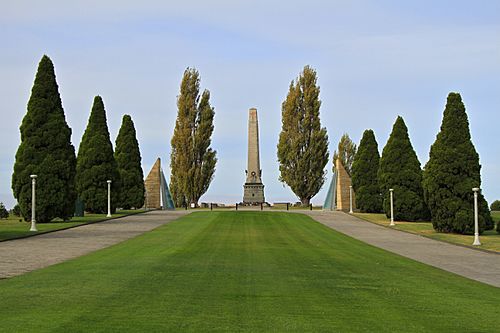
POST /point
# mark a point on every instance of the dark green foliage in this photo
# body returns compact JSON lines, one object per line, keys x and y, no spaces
{"x":3,"y":211}
{"x":400,"y":170}
{"x":192,"y":161}
{"x":495,"y":205}
{"x":346,"y":152}
{"x":128,"y":159}
{"x":303,"y":143}
{"x":452,"y":171}
{"x":364,"y":175}
{"x":46,"y":151}
{"x":96,"y":164}
{"x":16,"y":211}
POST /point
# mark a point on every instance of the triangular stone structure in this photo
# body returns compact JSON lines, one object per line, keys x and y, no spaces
{"x":157,"y":193}
{"x":338,"y":195}
{"x":152,"y":185}
{"x":343,"y":188}
{"x":167,"y":202}
{"x":331,"y":196}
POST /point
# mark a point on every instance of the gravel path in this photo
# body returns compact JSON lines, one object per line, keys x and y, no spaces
{"x":470,"y":263}
{"x":24,"y":255}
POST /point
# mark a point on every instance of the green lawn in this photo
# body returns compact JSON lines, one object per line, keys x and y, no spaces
{"x":245,"y":271}
{"x":490,"y":240}
{"x":15,"y":227}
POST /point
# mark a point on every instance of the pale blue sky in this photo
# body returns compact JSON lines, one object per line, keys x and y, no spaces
{"x":375,"y":60}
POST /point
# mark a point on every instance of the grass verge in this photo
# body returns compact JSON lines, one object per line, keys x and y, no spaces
{"x":490,"y":239}
{"x":245,"y":272}
{"x":15,"y":227}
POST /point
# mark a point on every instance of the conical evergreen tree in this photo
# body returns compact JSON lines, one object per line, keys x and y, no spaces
{"x":128,"y":159}
{"x":192,"y":160}
{"x":452,"y":171}
{"x":364,"y":175}
{"x":46,"y":151}
{"x":96,"y":164}
{"x":400,"y":170}
{"x":303,"y":143}
{"x":346,"y":152}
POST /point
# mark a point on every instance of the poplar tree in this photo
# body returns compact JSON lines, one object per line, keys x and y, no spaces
{"x":400,"y":170}
{"x":364,"y":174}
{"x":96,"y":164}
{"x":346,"y":152}
{"x":128,"y":159}
{"x":46,"y":151}
{"x":303,"y":143}
{"x":192,"y":161}
{"x":452,"y":171}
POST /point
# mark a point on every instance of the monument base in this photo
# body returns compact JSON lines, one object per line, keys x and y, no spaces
{"x":253,"y":194}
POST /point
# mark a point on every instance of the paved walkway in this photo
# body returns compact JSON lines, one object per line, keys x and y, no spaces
{"x":24,"y":255}
{"x":473,"y":264}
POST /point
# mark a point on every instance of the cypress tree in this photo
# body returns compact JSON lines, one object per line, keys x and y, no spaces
{"x":96,"y":164}
{"x":452,"y":171}
{"x":400,"y":170}
{"x":364,"y":174}
{"x":128,"y":159}
{"x":192,"y":161}
{"x":346,"y":152}
{"x":46,"y":151}
{"x":303,"y":143}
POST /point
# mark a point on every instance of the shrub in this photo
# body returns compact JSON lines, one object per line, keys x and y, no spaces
{"x":96,"y":164}
{"x":452,"y":171}
{"x":16,"y":211}
{"x":46,"y":151}
{"x":128,"y":159}
{"x":400,"y":170}
{"x":495,"y":205}
{"x":3,"y":212}
{"x":364,"y":175}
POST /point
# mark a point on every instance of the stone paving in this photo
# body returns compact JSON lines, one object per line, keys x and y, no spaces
{"x":24,"y":255}
{"x":470,"y":263}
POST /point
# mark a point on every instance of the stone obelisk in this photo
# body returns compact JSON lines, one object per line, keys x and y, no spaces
{"x":253,"y":189}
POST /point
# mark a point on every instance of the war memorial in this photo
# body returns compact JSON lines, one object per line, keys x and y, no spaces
{"x":133,"y":218}
{"x":253,"y":189}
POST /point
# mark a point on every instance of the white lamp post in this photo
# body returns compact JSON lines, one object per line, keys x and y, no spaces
{"x":33,"y":188}
{"x":350,"y":199}
{"x":109,"y":199}
{"x":392,"y":208}
{"x":476,"y":223}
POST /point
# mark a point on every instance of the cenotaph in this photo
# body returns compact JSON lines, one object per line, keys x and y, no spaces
{"x":253,"y":190}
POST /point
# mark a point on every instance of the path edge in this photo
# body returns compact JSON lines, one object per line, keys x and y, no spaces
{"x":74,"y":226}
{"x":438,"y":240}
